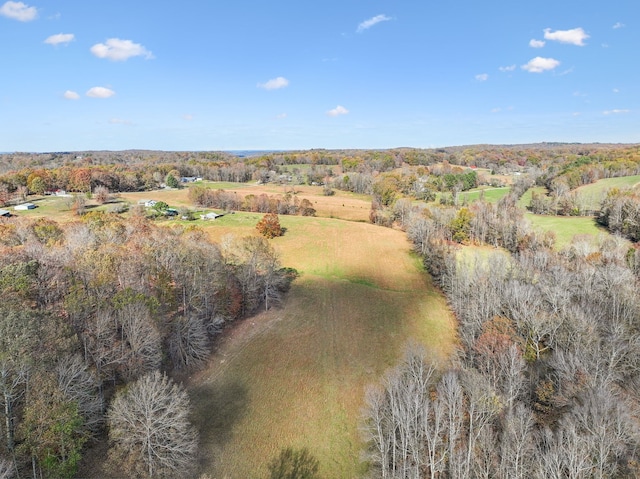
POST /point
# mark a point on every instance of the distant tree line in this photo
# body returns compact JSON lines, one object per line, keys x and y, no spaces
{"x":287,"y":204}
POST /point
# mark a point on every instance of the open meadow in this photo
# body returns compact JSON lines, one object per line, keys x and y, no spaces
{"x":593,"y":193}
{"x":341,"y":204}
{"x":566,"y":227}
{"x":491,"y":195}
{"x":295,"y":376}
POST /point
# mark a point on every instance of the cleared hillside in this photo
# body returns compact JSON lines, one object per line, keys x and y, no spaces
{"x":295,"y":376}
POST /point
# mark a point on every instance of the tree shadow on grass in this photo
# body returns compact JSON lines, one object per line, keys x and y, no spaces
{"x":217,"y":407}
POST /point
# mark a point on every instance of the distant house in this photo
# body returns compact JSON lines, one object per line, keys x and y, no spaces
{"x":25,"y":206}
{"x":5,"y":213}
{"x":189,"y":179}
{"x":149,"y":203}
{"x":171,"y":212}
{"x":210,"y":216}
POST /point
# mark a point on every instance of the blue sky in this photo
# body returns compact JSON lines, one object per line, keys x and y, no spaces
{"x":283,"y":74}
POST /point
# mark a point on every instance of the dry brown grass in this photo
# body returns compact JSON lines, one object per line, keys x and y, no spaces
{"x":296,"y":376}
{"x":342,"y":204}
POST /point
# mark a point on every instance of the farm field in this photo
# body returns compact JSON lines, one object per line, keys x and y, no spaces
{"x":55,"y":207}
{"x":566,"y":227}
{"x":594,"y":193}
{"x":296,"y":376}
{"x":342,"y":204}
{"x":491,"y":195}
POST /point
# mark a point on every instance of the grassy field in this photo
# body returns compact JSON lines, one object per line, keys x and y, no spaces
{"x":491,"y":195}
{"x":295,"y":376}
{"x":55,"y":207}
{"x":566,"y":227}
{"x":525,"y":199}
{"x":594,"y":193}
{"x":342,"y":204}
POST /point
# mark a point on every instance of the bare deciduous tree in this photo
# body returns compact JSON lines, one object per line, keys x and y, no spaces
{"x":78,"y":384}
{"x":7,"y":469}
{"x":188,"y":342}
{"x":149,"y":428}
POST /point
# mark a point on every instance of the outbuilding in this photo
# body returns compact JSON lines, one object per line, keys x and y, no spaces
{"x":25,"y":206}
{"x":210,"y":216}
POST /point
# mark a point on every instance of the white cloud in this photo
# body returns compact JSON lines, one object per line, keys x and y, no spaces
{"x":539,"y":64}
{"x":18,"y":11}
{"x":60,"y":38}
{"x":615,"y":112}
{"x":482,"y":77}
{"x":116,"y":49}
{"x":575,"y":36}
{"x":618,"y":25}
{"x":509,"y":68}
{"x":274,"y":83}
{"x":615,"y":90}
{"x":119,"y":121}
{"x":371,"y":22}
{"x":337,"y":111}
{"x":71,"y":95}
{"x":496,"y":110}
{"x":281,"y":116}
{"x":187,"y":117}
{"x":100,"y":92}
{"x":533,"y":43}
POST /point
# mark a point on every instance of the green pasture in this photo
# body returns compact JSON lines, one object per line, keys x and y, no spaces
{"x":296,"y":375}
{"x":525,"y":199}
{"x":601,"y":186}
{"x":56,"y":207}
{"x":594,"y":193}
{"x":491,"y":195}
{"x":566,"y":227}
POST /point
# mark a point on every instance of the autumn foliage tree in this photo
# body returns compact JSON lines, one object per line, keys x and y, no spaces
{"x":269,"y":226}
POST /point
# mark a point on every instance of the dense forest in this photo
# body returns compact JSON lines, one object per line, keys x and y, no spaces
{"x":93,"y":306}
{"x":99,"y":314}
{"x":546,"y":380}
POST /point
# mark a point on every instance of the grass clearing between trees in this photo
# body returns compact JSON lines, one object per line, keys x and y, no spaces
{"x":295,"y":376}
{"x":491,"y":195}
{"x":594,"y":193}
{"x":566,"y":227}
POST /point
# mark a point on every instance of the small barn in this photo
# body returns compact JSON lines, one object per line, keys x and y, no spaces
{"x":210,"y":216}
{"x":24,"y":207}
{"x":5,"y":213}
